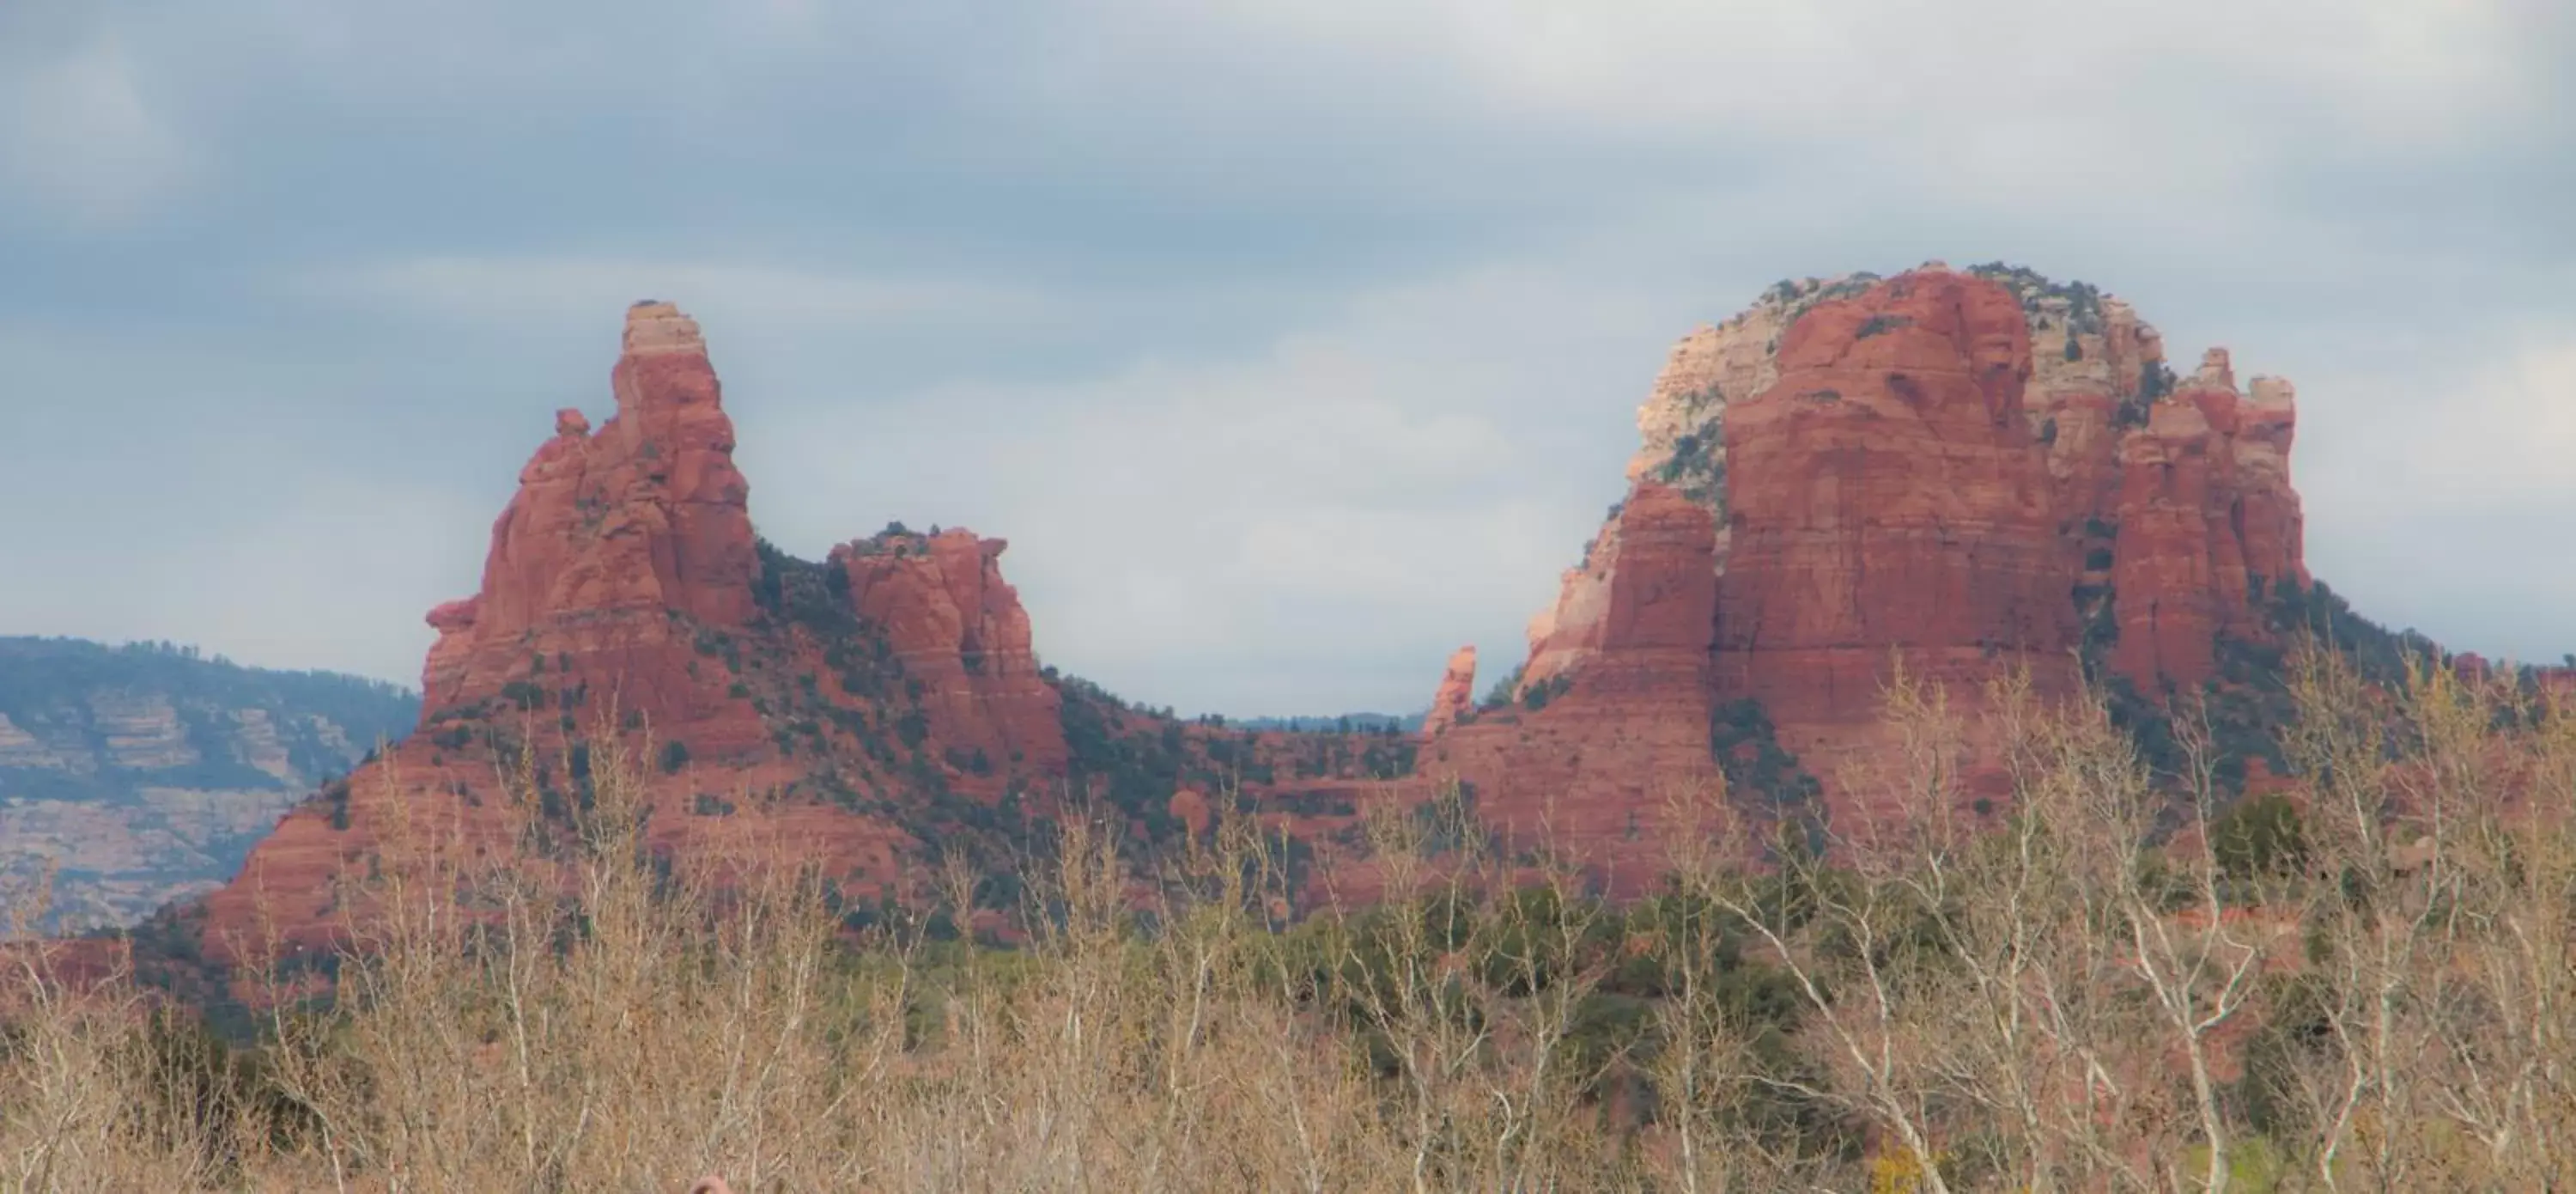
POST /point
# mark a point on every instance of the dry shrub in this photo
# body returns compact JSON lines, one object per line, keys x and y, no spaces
{"x":575,"y":1013}
{"x":2103,"y":986}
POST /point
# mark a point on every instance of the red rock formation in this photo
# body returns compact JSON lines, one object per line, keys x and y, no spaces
{"x":1945,"y":469}
{"x":959,"y":631}
{"x":619,"y":549}
{"x":620,"y":578}
{"x":1680,"y":444}
{"x":1951,"y":469}
{"x":626,"y":599}
{"x":2090,"y":356}
{"x":1568,"y":631}
{"x":1457,"y":695}
{"x":2205,"y":507}
{"x":1610,"y":740}
{"x":1889,"y":499}
{"x":2180,"y":572}
{"x":2274,"y":530}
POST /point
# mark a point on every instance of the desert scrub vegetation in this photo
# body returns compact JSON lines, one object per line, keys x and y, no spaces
{"x":2038,"y":965}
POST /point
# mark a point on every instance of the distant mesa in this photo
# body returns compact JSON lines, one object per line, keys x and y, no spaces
{"x":144,"y":773}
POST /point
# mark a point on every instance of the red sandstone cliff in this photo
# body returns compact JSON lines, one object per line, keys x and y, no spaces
{"x":626,"y":601}
{"x":1888,"y":499}
{"x":618,"y":549}
{"x":2206,"y":521}
{"x":959,"y":631}
{"x":1956,"y":470}
{"x":1589,"y":756}
{"x":1952,"y":470}
{"x":617,"y":572}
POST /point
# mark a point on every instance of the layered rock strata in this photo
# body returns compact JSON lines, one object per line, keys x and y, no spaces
{"x":844,"y":713}
{"x":958,"y":630}
{"x":1587,"y":757}
{"x":1962,"y":474}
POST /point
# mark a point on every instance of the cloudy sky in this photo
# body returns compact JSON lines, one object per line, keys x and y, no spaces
{"x":1290,"y":344}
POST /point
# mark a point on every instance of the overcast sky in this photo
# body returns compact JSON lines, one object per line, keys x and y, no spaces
{"x":1291,"y":344}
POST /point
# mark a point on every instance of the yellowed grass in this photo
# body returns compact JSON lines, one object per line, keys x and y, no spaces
{"x":2071,"y":997}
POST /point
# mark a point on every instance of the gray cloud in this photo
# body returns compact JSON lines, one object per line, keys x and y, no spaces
{"x":82,"y":139}
{"x":1291,"y":345}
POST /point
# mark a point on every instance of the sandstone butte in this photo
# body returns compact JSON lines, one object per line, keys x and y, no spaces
{"x":843,"y":712}
{"x":1959,"y":473}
